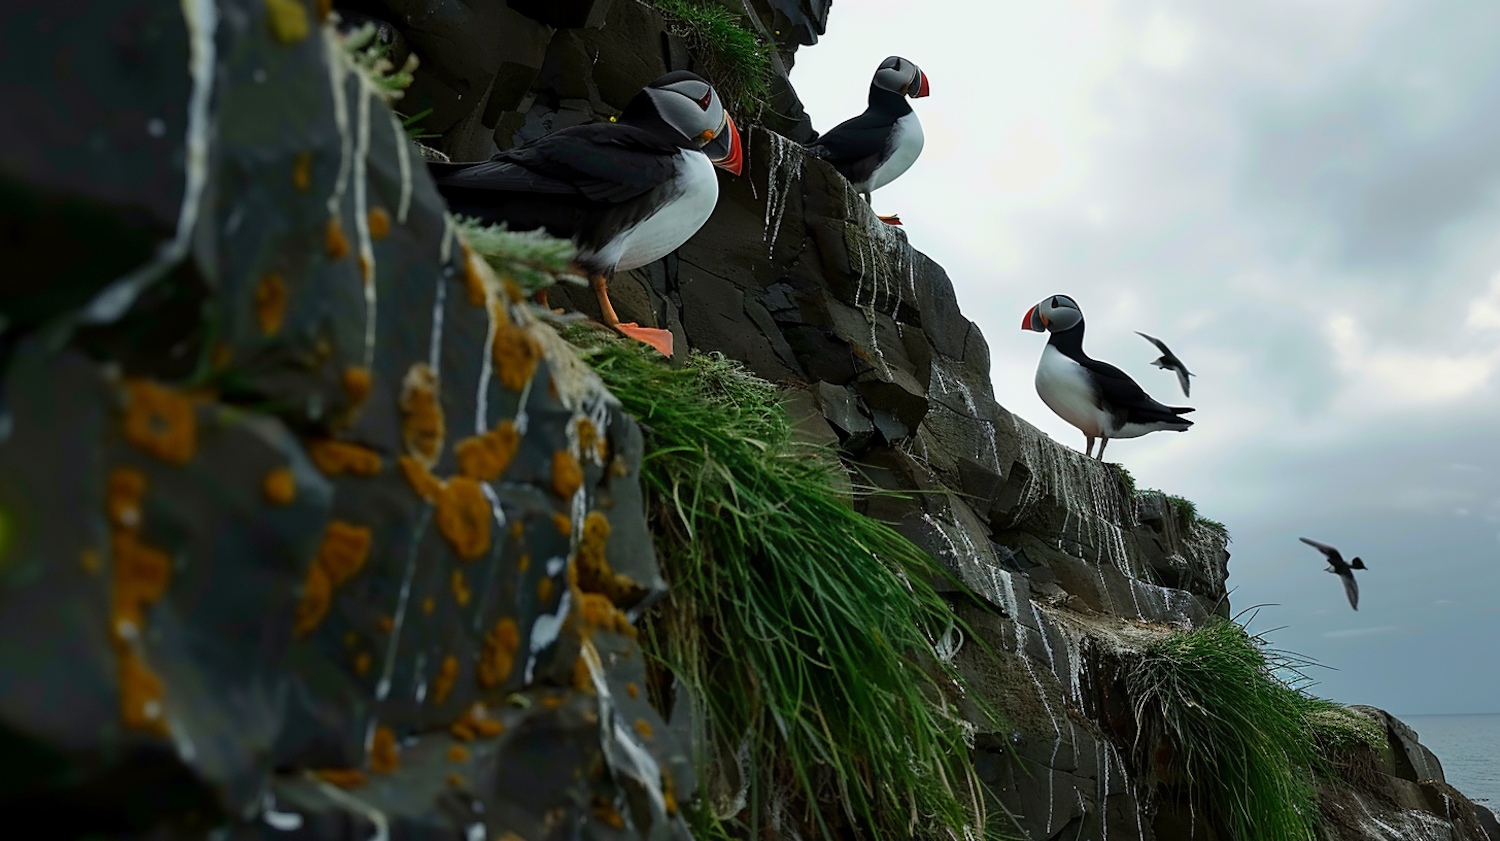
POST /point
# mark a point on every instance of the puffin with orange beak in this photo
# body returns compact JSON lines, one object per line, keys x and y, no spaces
{"x":875,"y":148}
{"x":1098,"y":398}
{"x":626,"y":193}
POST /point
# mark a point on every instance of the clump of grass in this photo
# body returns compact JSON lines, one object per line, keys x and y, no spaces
{"x":1185,"y":510}
{"x":735,"y":60}
{"x":373,"y":60}
{"x":1243,"y":740}
{"x":533,"y":259}
{"x":801,"y":628}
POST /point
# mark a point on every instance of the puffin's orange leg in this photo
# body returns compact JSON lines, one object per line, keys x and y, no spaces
{"x":659,"y":339}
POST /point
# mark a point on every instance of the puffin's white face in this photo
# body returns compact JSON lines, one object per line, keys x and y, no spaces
{"x":1055,"y":314}
{"x":898,"y":75}
{"x":692,"y":107}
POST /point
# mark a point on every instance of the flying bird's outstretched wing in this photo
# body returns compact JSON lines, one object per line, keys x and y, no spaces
{"x":1182,"y":380}
{"x":1351,"y":589}
{"x":1321,"y":547}
{"x":1160,"y":345}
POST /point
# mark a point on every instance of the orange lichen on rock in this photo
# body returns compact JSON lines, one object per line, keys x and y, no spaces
{"x":590,"y":442}
{"x":485,"y":457}
{"x":123,"y":495}
{"x":458,"y":753}
{"x":279,"y":486}
{"x":342,"y":777}
{"x":463,"y":517}
{"x":473,"y":280}
{"x":455,"y":780}
{"x":499,"y":654}
{"x":460,"y":588}
{"x":563,"y":523}
{"x":643,"y":727}
{"x":475,"y":722}
{"x":567,"y":474}
{"x":336,"y":458}
{"x":596,"y":611}
{"x":607,"y":814}
{"x":632,"y":690}
{"x":446,"y":677}
{"x":428,"y":606}
{"x":668,"y":794}
{"x":583,"y":681}
{"x":334,"y":240}
{"x":421,"y":414}
{"x":344,"y":550}
{"x":288,"y":20}
{"x":140,"y":694}
{"x":141,"y":577}
{"x":523,"y":563}
{"x":592,"y":565}
{"x":160,"y":421}
{"x":317,"y":596}
{"x":270,"y":303}
{"x":380,"y":223}
{"x":357,"y":383}
{"x":302,"y":171}
{"x":362,"y":663}
{"x":544,"y":590}
{"x":427,"y":486}
{"x":364,"y":268}
{"x":385,"y":624}
{"x":515,"y":350}
{"x":517,"y":530}
{"x":551,"y":702}
{"x":385,"y":754}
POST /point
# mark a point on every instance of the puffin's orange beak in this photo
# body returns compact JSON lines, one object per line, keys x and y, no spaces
{"x":734,"y":162}
{"x":923,"y":89}
{"x":1034,"y":320}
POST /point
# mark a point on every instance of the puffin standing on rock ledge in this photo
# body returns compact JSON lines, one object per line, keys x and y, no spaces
{"x":875,"y":148}
{"x":1098,"y":398}
{"x":626,"y":193}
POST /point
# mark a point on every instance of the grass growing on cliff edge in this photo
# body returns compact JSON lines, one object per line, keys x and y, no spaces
{"x":800,"y":626}
{"x":1245,"y":742}
{"x":735,"y":60}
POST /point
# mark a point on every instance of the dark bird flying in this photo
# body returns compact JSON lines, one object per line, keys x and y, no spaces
{"x":1337,"y":566}
{"x":1169,"y":362}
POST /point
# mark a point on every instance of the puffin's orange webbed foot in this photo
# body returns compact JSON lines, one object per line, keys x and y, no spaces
{"x":659,"y":339}
{"x":893,"y":219}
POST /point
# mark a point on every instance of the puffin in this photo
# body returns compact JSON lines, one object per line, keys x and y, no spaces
{"x":875,"y":148}
{"x":627,"y":193}
{"x":1168,"y":361}
{"x":1098,"y":398}
{"x":1343,"y":569}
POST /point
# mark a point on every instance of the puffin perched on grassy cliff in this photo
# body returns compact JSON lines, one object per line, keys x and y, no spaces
{"x":1098,"y":398}
{"x":626,"y":193}
{"x":875,"y":148}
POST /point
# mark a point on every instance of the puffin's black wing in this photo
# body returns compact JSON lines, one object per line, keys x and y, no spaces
{"x":602,"y":162}
{"x":1160,"y":345}
{"x":853,"y":142}
{"x":1332,"y":553}
{"x":1351,"y":588}
{"x":1118,"y":390}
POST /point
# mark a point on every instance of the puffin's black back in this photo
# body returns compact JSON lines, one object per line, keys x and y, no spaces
{"x":857,"y":146}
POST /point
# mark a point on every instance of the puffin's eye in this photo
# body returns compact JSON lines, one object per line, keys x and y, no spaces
{"x":708,"y":98}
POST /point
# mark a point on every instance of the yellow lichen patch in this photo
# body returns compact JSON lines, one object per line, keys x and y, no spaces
{"x":141,"y":577}
{"x":643,"y":727}
{"x":485,"y":457}
{"x":447,"y":675}
{"x":455,"y":780}
{"x":475,"y":722}
{"x":582,"y":680}
{"x":317,"y":595}
{"x":473,"y":280}
{"x":160,"y":421}
{"x":302,"y":171}
{"x":607,"y":814}
{"x":334,"y":241}
{"x":380,"y":223}
{"x":428,"y":606}
{"x":596,"y":611}
{"x":279,"y":486}
{"x":357,"y":384}
{"x":458,"y":753}
{"x":140,"y":695}
{"x":590,"y":442}
{"x":342,"y":777}
{"x":362,"y":663}
{"x":90,"y":561}
{"x":421,"y":414}
{"x":592,"y":566}
{"x":544,"y":591}
{"x":499,"y":654}
{"x":345,"y":549}
{"x":668,"y":795}
{"x":488,"y":727}
{"x":385,"y":754}
{"x":460,"y":587}
{"x":567,"y":475}
{"x":463,"y":517}
{"x":123,"y":497}
{"x":336,"y":458}
{"x":618,"y":467}
{"x":516,"y":352}
{"x":288,"y":19}
{"x":461,"y":730}
{"x":427,"y":486}
{"x":270,"y":303}
{"x":632,"y":690}
{"x":563,"y":523}
{"x":551,"y":702}
{"x":517,"y":530}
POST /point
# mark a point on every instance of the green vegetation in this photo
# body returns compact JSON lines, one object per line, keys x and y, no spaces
{"x":373,"y":60}
{"x":800,"y":627}
{"x":1246,"y":743}
{"x":736,"y":60}
{"x":533,"y":259}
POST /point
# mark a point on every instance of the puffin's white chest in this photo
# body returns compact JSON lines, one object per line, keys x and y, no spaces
{"x":1065,"y":387}
{"x":667,"y":229}
{"x":905,"y":145}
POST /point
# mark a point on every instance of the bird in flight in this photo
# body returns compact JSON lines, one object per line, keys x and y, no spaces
{"x":1338,"y":566}
{"x":1169,"y":362}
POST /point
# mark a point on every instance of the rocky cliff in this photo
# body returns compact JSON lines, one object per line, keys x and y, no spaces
{"x":304,"y":514}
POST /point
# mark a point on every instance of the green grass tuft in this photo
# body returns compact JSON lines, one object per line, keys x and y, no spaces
{"x":800,"y":627}
{"x":533,"y":259}
{"x":1246,"y":743}
{"x":735,"y":60}
{"x":373,"y":60}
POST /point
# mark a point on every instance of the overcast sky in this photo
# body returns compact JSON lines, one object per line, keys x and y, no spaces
{"x":1302,"y":200}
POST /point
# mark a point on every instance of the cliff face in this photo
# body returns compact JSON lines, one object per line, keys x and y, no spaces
{"x":300,"y":503}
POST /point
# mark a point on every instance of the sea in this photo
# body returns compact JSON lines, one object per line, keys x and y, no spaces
{"x":1468,"y":746}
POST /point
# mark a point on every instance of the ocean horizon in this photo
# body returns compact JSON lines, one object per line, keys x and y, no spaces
{"x":1468,"y":746}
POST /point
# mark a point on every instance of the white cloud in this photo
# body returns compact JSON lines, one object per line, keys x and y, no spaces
{"x":1484,"y":311}
{"x":1381,"y":379}
{"x":1166,"y":43}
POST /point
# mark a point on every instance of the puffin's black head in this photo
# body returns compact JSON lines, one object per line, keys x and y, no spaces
{"x":898,"y":75}
{"x":692,"y":111}
{"x":1357,"y":564}
{"x":1057,"y":313}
